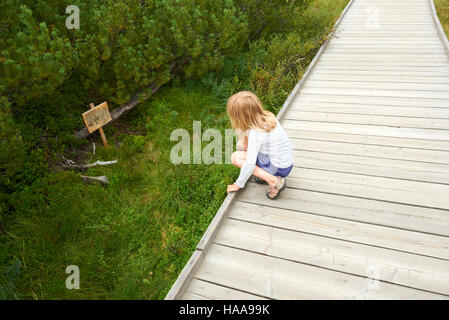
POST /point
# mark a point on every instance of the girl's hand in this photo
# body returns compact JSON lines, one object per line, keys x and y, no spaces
{"x":233,"y":188}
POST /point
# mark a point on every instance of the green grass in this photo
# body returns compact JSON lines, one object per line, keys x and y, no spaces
{"x":442,"y":7}
{"x":131,"y":238}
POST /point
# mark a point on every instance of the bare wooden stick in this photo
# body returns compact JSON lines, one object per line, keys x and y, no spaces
{"x":101,"y":179}
{"x":90,"y":165}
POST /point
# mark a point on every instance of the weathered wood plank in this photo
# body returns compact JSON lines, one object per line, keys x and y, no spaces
{"x":202,"y":290}
{"x":399,"y":153}
{"x":385,"y":85}
{"x":378,"y":78}
{"x":387,"y":189}
{"x":392,"y":111}
{"x":402,"y":216}
{"x":387,"y":168}
{"x":371,"y":100}
{"x":412,"y":133}
{"x":392,"y":266}
{"x":370,"y":140}
{"x":281,"y":279}
{"x":397,"y":73}
{"x":369,"y":234}
{"x":366,"y":119}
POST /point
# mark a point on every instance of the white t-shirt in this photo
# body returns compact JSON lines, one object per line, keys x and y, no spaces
{"x":275,"y":144}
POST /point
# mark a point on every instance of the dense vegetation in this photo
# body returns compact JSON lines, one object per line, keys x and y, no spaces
{"x":132,"y":237}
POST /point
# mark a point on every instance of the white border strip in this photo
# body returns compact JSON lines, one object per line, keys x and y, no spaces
{"x":440,"y":29}
{"x":180,"y":285}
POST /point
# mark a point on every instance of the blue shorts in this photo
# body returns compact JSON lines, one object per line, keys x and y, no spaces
{"x":264,"y":162}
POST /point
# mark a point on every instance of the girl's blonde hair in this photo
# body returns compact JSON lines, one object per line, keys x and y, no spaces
{"x":246,"y":112}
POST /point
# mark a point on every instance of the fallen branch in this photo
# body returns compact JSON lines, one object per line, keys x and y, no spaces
{"x":101,"y":179}
{"x":87,"y":166}
{"x":136,"y":99}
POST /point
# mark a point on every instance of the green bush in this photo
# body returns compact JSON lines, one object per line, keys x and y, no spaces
{"x":123,"y":48}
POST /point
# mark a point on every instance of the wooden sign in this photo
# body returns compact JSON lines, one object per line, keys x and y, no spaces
{"x":96,"y":118}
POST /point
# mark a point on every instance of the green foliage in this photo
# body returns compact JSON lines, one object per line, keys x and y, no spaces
{"x":123,"y":47}
{"x":8,"y":276}
{"x":33,"y":61}
{"x":19,"y":162}
{"x":270,"y":17}
{"x":131,"y":238}
{"x":275,"y":63}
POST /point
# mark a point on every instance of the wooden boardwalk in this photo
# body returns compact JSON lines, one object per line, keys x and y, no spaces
{"x":365,"y":214}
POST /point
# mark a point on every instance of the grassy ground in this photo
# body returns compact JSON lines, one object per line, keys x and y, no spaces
{"x":132,"y":238}
{"x":442,"y":7}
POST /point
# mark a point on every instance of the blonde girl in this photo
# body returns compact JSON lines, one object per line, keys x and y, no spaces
{"x":264,"y":149}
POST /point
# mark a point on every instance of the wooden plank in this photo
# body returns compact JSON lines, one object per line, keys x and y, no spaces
{"x":386,"y":189}
{"x":385,"y":111}
{"x":377,"y":85}
{"x":386,"y":35}
{"x":365,"y":119}
{"x":389,"y":19}
{"x":394,"y":73}
{"x":369,"y":140}
{"x":202,"y":290}
{"x":385,"y":152}
{"x":282,"y":279}
{"x":392,"y":266}
{"x":386,"y":59}
{"x":387,"y":11}
{"x":402,"y":216}
{"x":387,"y":168}
{"x":384,"y":27}
{"x":317,"y":76}
{"x":399,"y":65}
{"x":379,"y":93}
{"x":436,"y":70}
{"x":371,"y":100}
{"x":383,"y":43}
{"x":369,"y":234}
{"x":410,"y":133}
{"x":361,"y":50}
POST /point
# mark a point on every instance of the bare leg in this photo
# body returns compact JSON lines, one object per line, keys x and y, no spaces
{"x":240,"y":146}
{"x":238,"y":159}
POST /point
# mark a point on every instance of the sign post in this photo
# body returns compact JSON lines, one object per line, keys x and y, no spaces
{"x":96,"y":118}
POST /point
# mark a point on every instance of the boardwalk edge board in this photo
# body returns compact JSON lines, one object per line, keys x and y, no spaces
{"x":186,"y":275}
{"x":439,"y":27}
